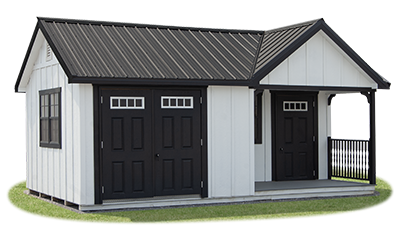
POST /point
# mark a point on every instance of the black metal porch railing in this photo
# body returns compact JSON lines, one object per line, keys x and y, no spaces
{"x":348,"y":158}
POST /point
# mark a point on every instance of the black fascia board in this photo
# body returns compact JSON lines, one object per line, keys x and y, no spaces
{"x":311,"y":88}
{"x":28,"y":53}
{"x":382,"y":84}
{"x":54,"y":49}
{"x":152,"y":81}
{"x":284,"y":54}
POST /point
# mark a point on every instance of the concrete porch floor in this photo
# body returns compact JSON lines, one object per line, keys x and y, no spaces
{"x":307,"y":184}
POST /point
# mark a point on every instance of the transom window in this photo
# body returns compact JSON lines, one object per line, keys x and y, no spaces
{"x":50,"y":118}
{"x":299,"y":106}
{"x":176,"y":102}
{"x":127,"y":102}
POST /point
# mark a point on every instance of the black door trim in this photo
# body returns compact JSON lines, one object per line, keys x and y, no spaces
{"x":97,"y":115}
{"x":274,"y":95}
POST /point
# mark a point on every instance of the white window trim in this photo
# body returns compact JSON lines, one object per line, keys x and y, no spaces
{"x":295,"y":109}
{"x":176,"y":105}
{"x":126,"y":105}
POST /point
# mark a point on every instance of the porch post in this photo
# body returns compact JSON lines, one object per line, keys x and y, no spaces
{"x":329,"y":157}
{"x":372,"y":140}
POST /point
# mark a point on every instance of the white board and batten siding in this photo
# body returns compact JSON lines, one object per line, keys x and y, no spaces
{"x":319,"y":62}
{"x":65,"y":173}
{"x":230,"y":141}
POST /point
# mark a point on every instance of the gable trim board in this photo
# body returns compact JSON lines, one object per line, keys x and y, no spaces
{"x":174,"y":55}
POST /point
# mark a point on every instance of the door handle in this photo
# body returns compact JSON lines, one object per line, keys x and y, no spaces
{"x":157,"y":155}
{"x":281,"y":149}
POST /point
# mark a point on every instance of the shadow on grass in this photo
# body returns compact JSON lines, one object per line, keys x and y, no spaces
{"x":269,"y":210}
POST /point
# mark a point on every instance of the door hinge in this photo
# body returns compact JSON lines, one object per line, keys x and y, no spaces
{"x":101,"y":99}
{"x":201,"y":184}
{"x":313,"y":103}
{"x":201,"y":142}
{"x":314,"y":173}
{"x":201,"y":100}
{"x":102,"y":189}
{"x":313,"y":138}
{"x":102,"y":144}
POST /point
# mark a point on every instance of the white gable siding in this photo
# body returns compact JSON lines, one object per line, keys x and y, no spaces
{"x":230,"y":141}
{"x":319,"y":62}
{"x":65,"y":173}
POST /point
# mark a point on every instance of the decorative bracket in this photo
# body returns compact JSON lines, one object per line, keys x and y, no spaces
{"x":368,"y":95}
{"x":330,"y":98}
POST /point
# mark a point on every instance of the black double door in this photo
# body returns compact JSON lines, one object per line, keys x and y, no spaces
{"x":294,"y":136}
{"x":151,"y":143}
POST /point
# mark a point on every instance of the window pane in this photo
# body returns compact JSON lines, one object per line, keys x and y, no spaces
{"x":165,"y":102}
{"x":56,"y":97}
{"x":138,"y":102}
{"x":46,"y":99}
{"x":131,"y":102}
{"x":180,"y":102}
{"x":44,"y":130}
{"x":122,"y":102}
{"x":54,"y":130}
{"x":52,"y":96}
{"x":173,"y":102}
{"x":52,"y":111}
{"x":115,"y":102}
{"x":187,"y":103}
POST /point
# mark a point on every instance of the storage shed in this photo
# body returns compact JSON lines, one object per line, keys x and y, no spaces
{"x":124,"y":115}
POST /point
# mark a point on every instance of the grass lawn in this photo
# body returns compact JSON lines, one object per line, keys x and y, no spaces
{"x":205,"y":213}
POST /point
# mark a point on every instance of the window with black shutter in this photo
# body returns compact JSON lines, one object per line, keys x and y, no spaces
{"x":50,"y":118}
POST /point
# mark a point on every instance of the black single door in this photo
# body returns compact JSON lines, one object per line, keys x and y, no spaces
{"x":294,"y":136}
{"x":177,"y":144}
{"x":127,"y":149}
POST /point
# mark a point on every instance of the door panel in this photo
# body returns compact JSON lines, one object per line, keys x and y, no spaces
{"x":127,"y":148}
{"x":294,"y":131}
{"x":177,"y":169}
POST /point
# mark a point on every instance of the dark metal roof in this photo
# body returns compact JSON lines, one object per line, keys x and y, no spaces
{"x":125,"y":53}
{"x":116,"y":50}
{"x":274,"y":41}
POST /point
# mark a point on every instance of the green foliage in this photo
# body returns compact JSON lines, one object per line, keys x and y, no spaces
{"x":205,"y":213}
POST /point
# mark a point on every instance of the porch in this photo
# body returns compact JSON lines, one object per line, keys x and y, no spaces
{"x":312,"y":189}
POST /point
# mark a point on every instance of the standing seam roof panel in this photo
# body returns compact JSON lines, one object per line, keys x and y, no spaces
{"x":89,"y":49}
{"x":181,"y":42}
{"x":239,"y":49}
{"x":96,"y":51}
{"x":179,"y":55}
{"x":154,"y":70}
{"x":119,"y":52}
{"x":81,"y":41}
{"x":228,"y":54}
{"x":152,"y":53}
{"x":193,"y":46}
{"x":227,"y":42}
{"x":106,"y":52}
{"x":75,"y":47}
{"x":137,"y":56}
{"x":164,"y":54}
{"x":199,"y":43}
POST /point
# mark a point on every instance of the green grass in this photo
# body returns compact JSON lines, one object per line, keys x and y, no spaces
{"x":205,"y":213}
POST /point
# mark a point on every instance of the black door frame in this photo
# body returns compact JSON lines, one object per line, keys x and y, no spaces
{"x":274,"y":95}
{"x":98,"y":176}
